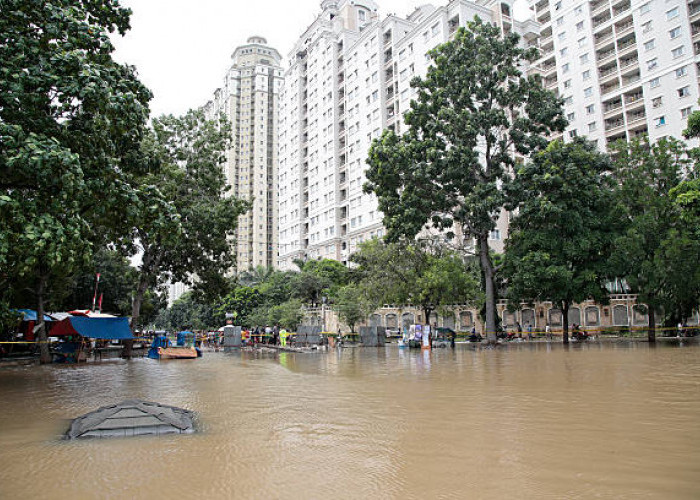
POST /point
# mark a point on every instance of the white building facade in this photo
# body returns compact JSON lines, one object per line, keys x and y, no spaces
{"x":249,"y":97}
{"x":623,"y":67}
{"x":348,"y":80}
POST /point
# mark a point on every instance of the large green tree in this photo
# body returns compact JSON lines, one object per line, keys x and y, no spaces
{"x":71,"y":122}
{"x":353,"y":305}
{"x":475,"y":111}
{"x":190,"y":243}
{"x":561,"y":240}
{"x":421,"y":273}
{"x":646,"y":173}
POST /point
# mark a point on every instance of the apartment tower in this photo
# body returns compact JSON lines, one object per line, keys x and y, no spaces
{"x":249,"y":98}
{"x":348,"y":80}
{"x":623,"y":67}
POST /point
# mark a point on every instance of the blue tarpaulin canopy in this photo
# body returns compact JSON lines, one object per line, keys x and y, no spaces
{"x":94,"y":328}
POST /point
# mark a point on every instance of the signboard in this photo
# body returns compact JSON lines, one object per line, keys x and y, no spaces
{"x":426,"y":337}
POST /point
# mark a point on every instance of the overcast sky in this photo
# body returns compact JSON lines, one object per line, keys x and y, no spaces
{"x":182,"y":48}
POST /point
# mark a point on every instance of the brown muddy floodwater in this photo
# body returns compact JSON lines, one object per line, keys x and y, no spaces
{"x":525,"y":421}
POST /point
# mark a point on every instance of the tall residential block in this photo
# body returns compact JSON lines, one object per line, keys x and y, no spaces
{"x":348,"y":80}
{"x":249,"y":98}
{"x":623,"y":67}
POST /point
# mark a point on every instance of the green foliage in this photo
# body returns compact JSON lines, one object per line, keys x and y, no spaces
{"x":561,"y":241}
{"x":189,"y":313}
{"x":187,"y":239}
{"x":71,"y":122}
{"x":422,"y":273}
{"x":318,"y":278}
{"x":647,"y":174}
{"x":473,"y":110}
{"x":353,"y":305}
{"x":241,"y":303}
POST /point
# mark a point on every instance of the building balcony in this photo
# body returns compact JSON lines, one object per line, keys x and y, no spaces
{"x":611,"y":87}
{"x":612,"y":108}
{"x":621,"y":8}
{"x":614,"y":125}
{"x":629,"y":64}
{"x":634,"y":99}
{"x":607,"y":74}
{"x":598,"y":7}
{"x":600,"y":20}
{"x":605,"y":57}
{"x":695,"y":30}
{"x":625,"y":48}
{"x":635,"y":117}
{"x":602,"y":37}
{"x":624,"y":28}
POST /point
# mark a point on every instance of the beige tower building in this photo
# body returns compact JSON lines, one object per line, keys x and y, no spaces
{"x":249,"y":98}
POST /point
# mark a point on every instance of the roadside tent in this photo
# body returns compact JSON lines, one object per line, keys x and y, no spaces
{"x":94,"y":328}
{"x":29,"y":318}
{"x":30,"y":315}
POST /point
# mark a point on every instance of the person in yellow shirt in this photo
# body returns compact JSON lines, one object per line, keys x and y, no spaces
{"x":283,"y":337}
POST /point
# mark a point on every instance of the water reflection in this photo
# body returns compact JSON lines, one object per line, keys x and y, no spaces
{"x":526,"y":421}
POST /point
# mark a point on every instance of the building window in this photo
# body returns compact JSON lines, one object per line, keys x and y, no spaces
{"x":681,"y":72}
{"x":654,"y":82}
{"x":652,"y":63}
{"x":586,"y":74}
{"x":568,"y":100}
{"x":571,"y":116}
{"x":683,"y":92}
{"x":562,"y":35}
{"x":660,"y":121}
{"x":590,"y":109}
{"x":560,"y":21}
{"x":584,"y":58}
{"x":495,"y":234}
{"x":675,"y":33}
{"x":567,"y":84}
{"x":579,"y":26}
{"x":565,"y":68}
{"x":678,"y":51}
{"x":588,"y":92}
{"x":592,"y":127}
{"x":657,"y":102}
{"x":673,"y":13}
{"x":564,"y":51}
{"x":573,"y":134}
{"x":645,"y":8}
{"x":686,"y":111}
{"x":650,"y":44}
{"x":582,"y":42}
{"x":647,"y":27}
{"x":578,"y":10}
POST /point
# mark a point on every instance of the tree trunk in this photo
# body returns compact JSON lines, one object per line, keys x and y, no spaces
{"x":565,"y":321}
{"x":135,"y":313}
{"x":41,"y":336}
{"x":490,"y":288}
{"x":138,"y":299}
{"x":652,"y":325}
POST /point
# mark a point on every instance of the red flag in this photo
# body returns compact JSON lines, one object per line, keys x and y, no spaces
{"x":100,"y":306}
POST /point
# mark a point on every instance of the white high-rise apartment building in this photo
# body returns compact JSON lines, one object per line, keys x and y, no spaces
{"x":348,"y":80}
{"x":249,"y":98}
{"x":623,"y":67}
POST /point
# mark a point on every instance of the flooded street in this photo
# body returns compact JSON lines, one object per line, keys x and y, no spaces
{"x":525,"y":421}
